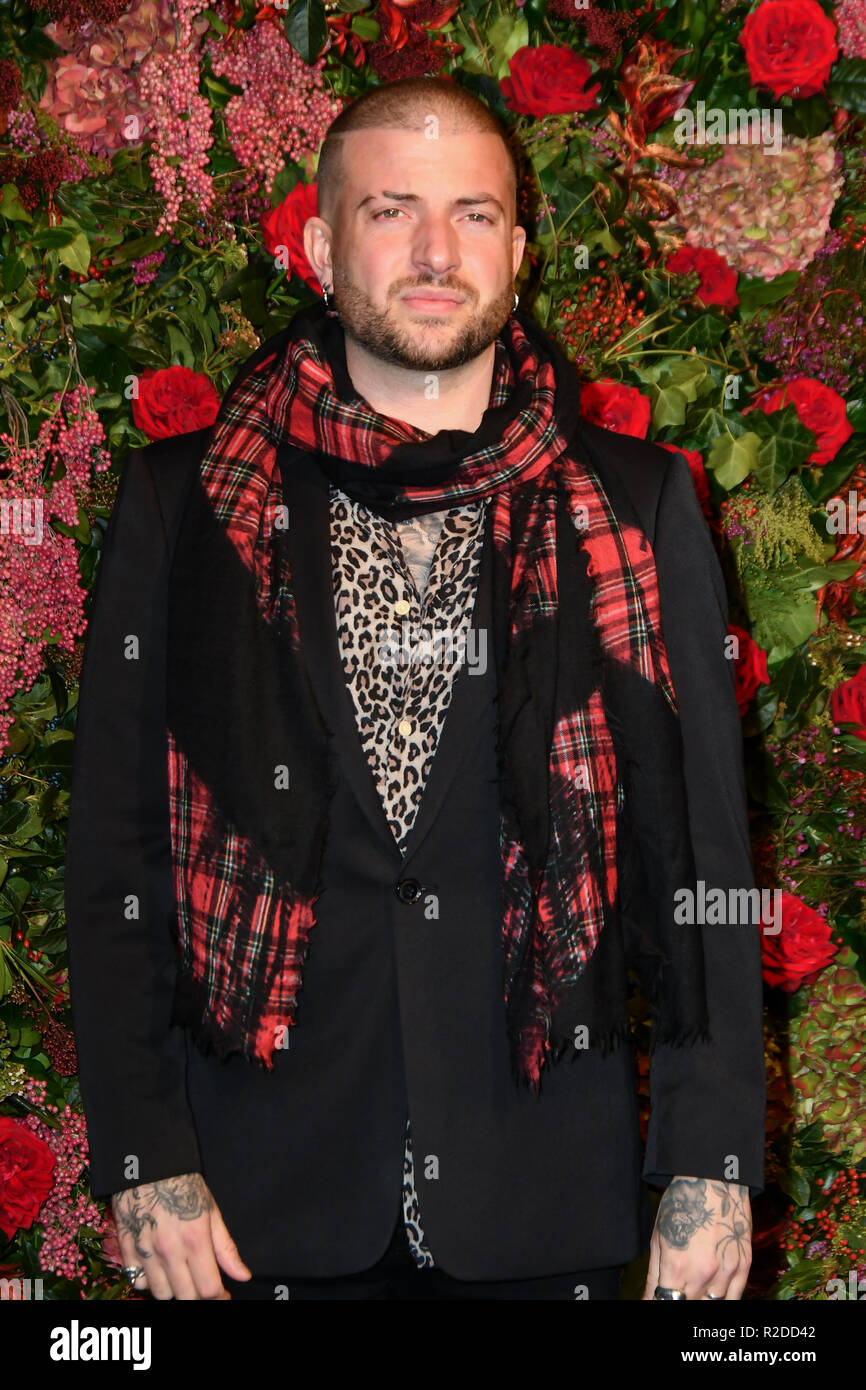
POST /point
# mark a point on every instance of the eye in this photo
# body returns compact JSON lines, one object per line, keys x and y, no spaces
{"x":383,"y":211}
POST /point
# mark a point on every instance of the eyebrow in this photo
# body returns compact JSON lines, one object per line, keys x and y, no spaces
{"x":469,"y":201}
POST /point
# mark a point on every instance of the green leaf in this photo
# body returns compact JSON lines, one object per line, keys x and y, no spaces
{"x":180,"y":346}
{"x":752,"y":293}
{"x":11,"y":206}
{"x":847,"y":85}
{"x":505,"y":37}
{"x":827,"y":481}
{"x":807,"y":117}
{"x":366,"y":28}
{"x":794,"y":1185}
{"x":701,"y":333}
{"x":51,"y":237}
{"x":732,"y":460}
{"x":856,"y":412}
{"x":306,"y":28}
{"x":13,"y":272}
{"x":76,"y":256}
{"x":215,"y":22}
{"x":787,"y":443}
{"x":673,"y":386}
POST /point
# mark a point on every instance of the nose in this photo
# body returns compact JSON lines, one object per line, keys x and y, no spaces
{"x":435,"y":246}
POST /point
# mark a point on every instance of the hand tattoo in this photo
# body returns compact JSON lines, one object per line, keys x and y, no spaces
{"x":137,"y":1209}
{"x":732,"y":1197}
{"x":683,"y":1210}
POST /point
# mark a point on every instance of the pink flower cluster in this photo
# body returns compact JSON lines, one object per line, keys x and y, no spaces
{"x":182,"y":118}
{"x":93,"y":89}
{"x":850,"y":16}
{"x":38,"y":567}
{"x":145,"y":271}
{"x":65,"y":1211}
{"x":283,"y":112}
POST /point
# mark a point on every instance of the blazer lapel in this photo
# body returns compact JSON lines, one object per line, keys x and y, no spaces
{"x":469,"y":695}
{"x":306,"y":492}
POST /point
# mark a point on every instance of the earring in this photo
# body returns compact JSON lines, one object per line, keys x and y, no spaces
{"x":516,"y":301}
{"x":331,"y":312}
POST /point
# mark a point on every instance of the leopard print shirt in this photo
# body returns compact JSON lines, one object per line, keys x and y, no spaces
{"x":403,"y":593}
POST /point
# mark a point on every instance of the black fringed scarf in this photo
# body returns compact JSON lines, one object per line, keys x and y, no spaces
{"x":588,"y":734}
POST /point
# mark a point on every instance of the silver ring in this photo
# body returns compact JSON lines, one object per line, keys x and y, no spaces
{"x":662,"y":1293}
{"x":714,"y":1296}
{"x":132,"y":1272}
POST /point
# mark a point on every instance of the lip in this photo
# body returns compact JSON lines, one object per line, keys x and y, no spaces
{"x":425,"y":299}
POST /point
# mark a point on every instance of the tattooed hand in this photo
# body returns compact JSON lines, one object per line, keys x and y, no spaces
{"x":702,"y":1240}
{"x":173,"y":1228}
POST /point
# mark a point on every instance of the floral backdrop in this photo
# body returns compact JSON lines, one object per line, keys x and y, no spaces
{"x":705,"y":271}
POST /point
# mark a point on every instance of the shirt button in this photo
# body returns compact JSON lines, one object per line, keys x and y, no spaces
{"x":402,"y":606}
{"x":405,"y":727}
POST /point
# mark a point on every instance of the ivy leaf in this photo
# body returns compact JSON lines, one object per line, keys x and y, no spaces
{"x":673,"y":388}
{"x":787,"y":443}
{"x":733,"y":459}
{"x":702,"y":332}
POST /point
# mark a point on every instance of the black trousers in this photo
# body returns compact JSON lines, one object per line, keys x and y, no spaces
{"x":396,"y":1276}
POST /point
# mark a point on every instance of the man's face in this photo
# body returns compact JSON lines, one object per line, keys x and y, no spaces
{"x":402,"y":231}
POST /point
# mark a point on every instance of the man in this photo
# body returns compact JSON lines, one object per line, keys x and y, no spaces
{"x":405,"y":719}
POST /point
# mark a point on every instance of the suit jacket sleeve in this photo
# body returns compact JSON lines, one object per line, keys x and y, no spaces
{"x":708,"y":1100}
{"x":120,"y":907}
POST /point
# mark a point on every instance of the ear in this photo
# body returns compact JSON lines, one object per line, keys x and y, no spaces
{"x":318,"y":238}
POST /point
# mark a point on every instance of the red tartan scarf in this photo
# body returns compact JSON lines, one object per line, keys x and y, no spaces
{"x":588,"y":732}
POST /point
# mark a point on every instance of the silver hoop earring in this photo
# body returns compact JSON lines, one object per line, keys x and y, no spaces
{"x":328,"y":309}
{"x":516,"y":302}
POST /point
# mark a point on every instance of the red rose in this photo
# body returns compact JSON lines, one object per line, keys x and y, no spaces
{"x":718,"y":281}
{"x":798,"y":953}
{"x":548,"y":79}
{"x":174,"y":400}
{"x":848,"y":702}
{"x":790,"y":46}
{"x":26,"y":1175}
{"x":283,"y":227}
{"x":615,"y":406}
{"x":750,"y":668}
{"x":819,"y":408}
{"x":699,"y":476}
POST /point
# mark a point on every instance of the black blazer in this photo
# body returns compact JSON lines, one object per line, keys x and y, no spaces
{"x":401,"y":1011}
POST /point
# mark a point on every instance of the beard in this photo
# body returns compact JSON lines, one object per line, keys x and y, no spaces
{"x":376,"y":331}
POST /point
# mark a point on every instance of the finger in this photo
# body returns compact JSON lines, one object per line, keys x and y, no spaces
{"x":158,"y":1281}
{"x":204,"y":1270}
{"x":652,"y":1277}
{"x":675,"y":1272}
{"x":179,"y":1275}
{"x":225,"y":1251}
{"x":130,"y":1258}
{"x":173,"y":1247}
{"x":739,"y":1280}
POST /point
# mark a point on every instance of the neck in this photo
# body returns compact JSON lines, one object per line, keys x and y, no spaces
{"x":454,"y":399}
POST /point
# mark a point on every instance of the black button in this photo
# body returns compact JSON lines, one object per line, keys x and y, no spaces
{"x":408,"y":890}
